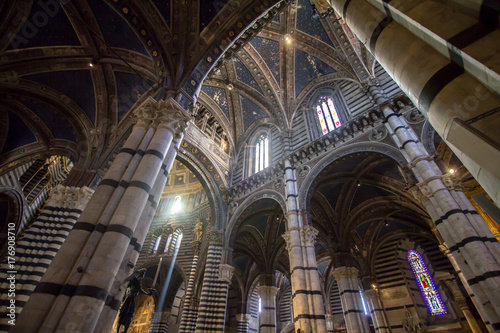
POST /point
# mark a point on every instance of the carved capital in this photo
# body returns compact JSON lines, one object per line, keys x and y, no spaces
{"x":345,"y":273}
{"x":226,"y":272}
{"x":371,"y":295}
{"x":286,"y":237}
{"x":267,"y":291}
{"x":70,"y":197}
{"x":308,"y":235}
{"x":215,"y":236}
{"x":171,"y":115}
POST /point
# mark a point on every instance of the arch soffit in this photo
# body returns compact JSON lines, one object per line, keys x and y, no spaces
{"x":305,"y":190}
{"x":232,"y":225}
{"x":208,"y":182}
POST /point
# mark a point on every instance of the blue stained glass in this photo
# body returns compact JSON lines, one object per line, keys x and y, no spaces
{"x":431,"y":295}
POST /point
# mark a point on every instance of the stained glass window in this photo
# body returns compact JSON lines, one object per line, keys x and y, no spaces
{"x":327,"y":115}
{"x":261,"y":153}
{"x":168,"y":243}
{"x":157,"y":244}
{"x":426,"y":284}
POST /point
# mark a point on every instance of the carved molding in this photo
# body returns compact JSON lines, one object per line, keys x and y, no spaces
{"x":70,"y":197}
{"x":226,"y":272}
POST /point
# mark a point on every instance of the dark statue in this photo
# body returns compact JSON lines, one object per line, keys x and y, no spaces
{"x":133,"y":289}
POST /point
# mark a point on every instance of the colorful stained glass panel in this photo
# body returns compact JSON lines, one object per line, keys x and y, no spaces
{"x":426,"y":284}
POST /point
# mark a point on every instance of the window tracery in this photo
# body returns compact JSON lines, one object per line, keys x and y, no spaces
{"x":327,"y":115}
{"x":431,"y":295}
{"x":261,"y":153}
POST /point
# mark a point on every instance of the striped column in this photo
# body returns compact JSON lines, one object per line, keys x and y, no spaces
{"x":242,"y":319}
{"x":214,"y":290}
{"x":36,"y":249}
{"x":188,"y":318}
{"x":470,"y":242}
{"x":376,"y":311}
{"x":108,"y":313}
{"x":83,"y":278}
{"x":448,"y":73}
{"x":300,"y":238}
{"x":267,"y":317}
{"x":354,"y":315}
{"x":161,"y":326}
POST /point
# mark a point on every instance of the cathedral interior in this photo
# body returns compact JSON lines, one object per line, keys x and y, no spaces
{"x":250,"y":166}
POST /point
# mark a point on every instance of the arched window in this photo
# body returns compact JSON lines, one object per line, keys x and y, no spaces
{"x":169,"y":239}
{"x":327,"y":114}
{"x":261,"y":153}
{"x":157,"y":244}
{"x":427,"y":287}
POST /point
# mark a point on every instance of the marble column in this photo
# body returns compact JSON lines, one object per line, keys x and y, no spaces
{"x":300,"y":238}
{"x":242,"y":319}
{"x":447,"y":73}
{"x":352,"y":305}
{"x":372,"y":299}
{"x":188,"y":317}
{"x":450,"y":281}
{"x":213,"y":299}
{"x":84,"y":278}
{"x":39,"y":244}
{"x":267,"y":317}
{"x":471,"y":243}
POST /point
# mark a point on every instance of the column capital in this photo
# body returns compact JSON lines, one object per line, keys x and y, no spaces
{"x":345,"y":272}
{"x":215,"y":236}
{"x":243,"y":317}
{"x":226,"y":272}
{"x":70,"y":196}
{"x":370,"y":294}
{"x":308,"y":235}
{"x":267,"y":291}
{"x":171,"y":115}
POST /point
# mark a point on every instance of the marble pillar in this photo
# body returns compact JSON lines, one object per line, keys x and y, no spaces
{"x":267,"y":317}
{"x":372,"y":299}
{"x":243,"y":320}
{"x":352,"y":305}
{"x":300,"y":238}
{"x":81,"y":289}
{"x":474,"y":248}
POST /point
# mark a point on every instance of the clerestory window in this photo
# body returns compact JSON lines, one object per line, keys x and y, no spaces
{"x":328,"y":116}
{"x":261,"y":153}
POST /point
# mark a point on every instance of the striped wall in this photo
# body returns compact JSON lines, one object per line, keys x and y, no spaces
{"x":37,"y":247}
{"x":253,"y":310}
{"x":284,"y":306}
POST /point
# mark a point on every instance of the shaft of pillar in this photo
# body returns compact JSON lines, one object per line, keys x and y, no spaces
{"x":267,"y":317}
{"x":355,"y":318}
{"x":377,"y":312}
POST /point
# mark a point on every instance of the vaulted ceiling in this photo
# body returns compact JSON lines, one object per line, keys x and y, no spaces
{"x":70,"y":71}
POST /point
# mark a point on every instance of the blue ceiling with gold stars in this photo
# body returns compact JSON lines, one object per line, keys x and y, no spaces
{"x":269,"y":50}
{"x":307,"y":68}
{"x":208,"y":10}
{"x":244,"y":75}
{"x":252,"y":112}
{"x":164,"y":9}
{"x":219,"y":97}
{"x":42,"y":30}
{"x":309,"y":25}
{"x":115,"y":30}
{"x":77,"y":85}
